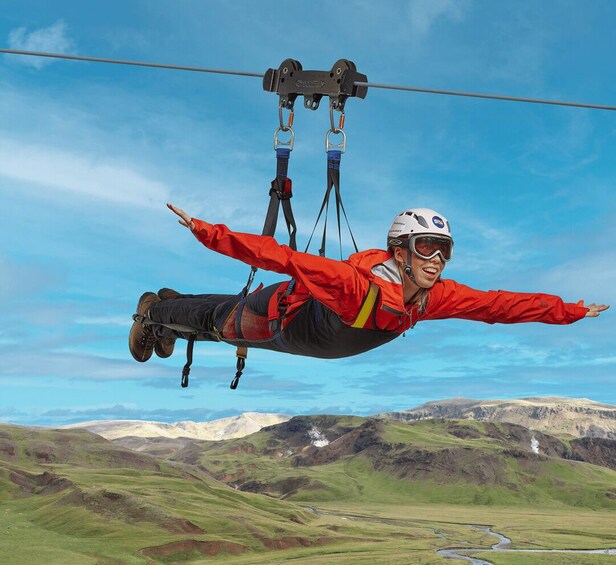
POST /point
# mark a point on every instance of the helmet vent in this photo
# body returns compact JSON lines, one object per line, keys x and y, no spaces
{"x":422,"y":221}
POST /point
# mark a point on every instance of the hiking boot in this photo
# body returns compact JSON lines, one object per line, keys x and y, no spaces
{"x":141,"y":339}
{"x":168,"y":294}
{"x":164,"y":347}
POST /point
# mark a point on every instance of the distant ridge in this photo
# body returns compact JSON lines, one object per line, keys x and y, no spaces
{"x":578,"y":417}
{"x":225,"y":428}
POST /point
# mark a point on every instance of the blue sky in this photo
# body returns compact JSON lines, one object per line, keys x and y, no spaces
{"x":90,"y":153}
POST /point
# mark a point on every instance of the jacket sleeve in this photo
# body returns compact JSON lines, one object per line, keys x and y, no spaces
{"x":449,"y":299}
{"x":336,"y":284}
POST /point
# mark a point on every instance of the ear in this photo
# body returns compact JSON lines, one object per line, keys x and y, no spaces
{"x":400,"y":255}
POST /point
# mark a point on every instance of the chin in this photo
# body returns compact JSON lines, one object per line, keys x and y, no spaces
{"x":425,"y":283}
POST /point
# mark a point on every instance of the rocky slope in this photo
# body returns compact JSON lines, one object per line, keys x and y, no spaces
{"x":313,"y":458}
{"x":577,"y":417}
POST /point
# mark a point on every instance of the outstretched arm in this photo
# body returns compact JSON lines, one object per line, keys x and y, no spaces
{"x":449,"y":299}
{"x":336,"y":284}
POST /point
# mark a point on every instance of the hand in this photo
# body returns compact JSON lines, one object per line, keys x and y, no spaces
{"x":186,"y":220}
{"x":593,"y":309}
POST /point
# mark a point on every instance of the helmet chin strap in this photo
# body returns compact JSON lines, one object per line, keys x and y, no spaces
{"x":408,"y":271}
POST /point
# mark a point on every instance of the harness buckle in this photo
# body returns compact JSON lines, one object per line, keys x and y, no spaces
{"x":284,"y":192}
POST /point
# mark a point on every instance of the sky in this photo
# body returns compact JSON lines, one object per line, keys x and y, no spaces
{"x":90,"y":153}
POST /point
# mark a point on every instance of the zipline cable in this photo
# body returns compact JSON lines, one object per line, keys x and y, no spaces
{"x":261,"y":75}
{"x":491,"y":96}
{"x":133,"y":63}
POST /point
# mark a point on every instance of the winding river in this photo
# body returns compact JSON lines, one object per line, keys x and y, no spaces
{"x":466,"y":553}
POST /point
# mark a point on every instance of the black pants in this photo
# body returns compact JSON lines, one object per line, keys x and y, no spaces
{"x":315,"y":331}
{"x":205,"y":312}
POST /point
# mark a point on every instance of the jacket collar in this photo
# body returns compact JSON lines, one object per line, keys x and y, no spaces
{"x":380,"y":268}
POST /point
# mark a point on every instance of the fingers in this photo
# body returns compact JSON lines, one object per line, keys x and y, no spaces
{"x":595,"y":309}
{"x":186,"y":220}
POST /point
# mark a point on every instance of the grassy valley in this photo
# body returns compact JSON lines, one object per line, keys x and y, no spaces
{"x":378,"y":492}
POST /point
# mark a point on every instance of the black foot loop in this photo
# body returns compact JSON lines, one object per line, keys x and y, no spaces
{"x":189,"y":356}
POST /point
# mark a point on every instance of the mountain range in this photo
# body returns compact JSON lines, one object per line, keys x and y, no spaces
{"x":71,"y":496}
{"x":577,"y":417}
{"x":552,"y":415}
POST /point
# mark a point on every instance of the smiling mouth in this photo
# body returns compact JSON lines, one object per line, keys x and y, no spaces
{"x":430,"y":271}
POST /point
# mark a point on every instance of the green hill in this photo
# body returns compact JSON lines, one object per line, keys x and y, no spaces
{"x":73,"y":497}
{"x":432,"y":461}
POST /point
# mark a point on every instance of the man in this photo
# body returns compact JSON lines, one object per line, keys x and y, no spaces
{"x":330,"y":308}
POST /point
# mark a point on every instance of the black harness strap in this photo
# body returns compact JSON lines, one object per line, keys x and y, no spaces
{"x":333,"y":181}
{"x":275,"y":326}
{"x":281,"y":192}
{"x":189,"y":358}
{"x":241,"y":353}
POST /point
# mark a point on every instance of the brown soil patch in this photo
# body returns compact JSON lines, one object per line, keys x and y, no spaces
{"x":46,"y":483}
{"x":242,"y":448}
{"x":209,"y":548}
{"x":597,"y":451}
{"x":8,"y":449}
{"x":131,"y":509}
{"x":290,"y":542}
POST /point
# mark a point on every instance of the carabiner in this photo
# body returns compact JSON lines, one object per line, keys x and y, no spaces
{"x":289,"y":123}
{"x":334,"y":106}
{"x":284,"y":127}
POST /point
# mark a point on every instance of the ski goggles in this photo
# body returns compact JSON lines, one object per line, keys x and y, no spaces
{"x":428,"y":246}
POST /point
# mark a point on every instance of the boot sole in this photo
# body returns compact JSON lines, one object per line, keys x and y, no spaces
{"x":136,"y":327}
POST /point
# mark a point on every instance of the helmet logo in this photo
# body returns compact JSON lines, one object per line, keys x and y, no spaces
{"x":438,"y":222}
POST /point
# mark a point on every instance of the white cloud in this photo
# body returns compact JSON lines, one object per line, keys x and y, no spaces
{"x":85,"y":174}
{"x":590,"y":278}
{"x":52,"y":39}
{"x":104,"y":321}
{"x":424,"y":13}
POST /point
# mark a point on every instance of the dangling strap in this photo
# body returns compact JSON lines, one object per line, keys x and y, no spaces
{"x":189,"y":358}
{"x":242,"y":354}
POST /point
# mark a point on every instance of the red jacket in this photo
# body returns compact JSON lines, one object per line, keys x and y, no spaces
{"x":343,"y":286}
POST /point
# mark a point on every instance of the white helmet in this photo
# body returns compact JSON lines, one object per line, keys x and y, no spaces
{"x":417,"y":221}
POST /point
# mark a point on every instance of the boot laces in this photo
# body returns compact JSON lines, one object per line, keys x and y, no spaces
{"x":148,"y":339}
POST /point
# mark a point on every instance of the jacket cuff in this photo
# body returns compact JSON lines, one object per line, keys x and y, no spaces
{"x":579,"y":312}
{"x":200,"y":226}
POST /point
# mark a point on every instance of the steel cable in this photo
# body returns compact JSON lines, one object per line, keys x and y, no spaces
{"x":261,"y":75}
